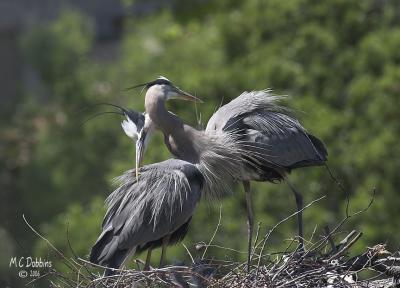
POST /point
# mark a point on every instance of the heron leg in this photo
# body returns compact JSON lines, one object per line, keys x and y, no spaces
{"x":299,"y":204}
{"x":148,"y":257}
{"x":250,"y":220}
{"x":163,"y":250}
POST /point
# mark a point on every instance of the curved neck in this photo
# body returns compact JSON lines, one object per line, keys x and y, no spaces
{"x":166,"y":121}
{"x":179,"y":137}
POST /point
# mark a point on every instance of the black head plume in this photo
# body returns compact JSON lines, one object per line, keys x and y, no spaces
{"x":120,"y":111}
{"x":159,"y":81}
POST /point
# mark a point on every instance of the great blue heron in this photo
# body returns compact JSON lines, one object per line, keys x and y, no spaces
{"x":151,"y":211}
{"x":126,"y":226}
{"x":250,"y":138}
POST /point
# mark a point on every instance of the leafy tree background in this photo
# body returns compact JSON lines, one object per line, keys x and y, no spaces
{"x":338,"y":60}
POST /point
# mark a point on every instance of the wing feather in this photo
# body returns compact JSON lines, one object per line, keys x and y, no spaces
{"x":160,"y":202}
{"x":281,"y":140}
{"x":268,"y":132}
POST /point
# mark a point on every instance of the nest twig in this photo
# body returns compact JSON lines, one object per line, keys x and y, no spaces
{"x":314,"y":267}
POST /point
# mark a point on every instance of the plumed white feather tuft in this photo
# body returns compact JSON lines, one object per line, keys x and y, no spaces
{"x":130,"y":128}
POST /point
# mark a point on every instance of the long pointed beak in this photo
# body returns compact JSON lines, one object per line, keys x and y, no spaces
{"x":186,"y":96}
{"x":139,"y":156}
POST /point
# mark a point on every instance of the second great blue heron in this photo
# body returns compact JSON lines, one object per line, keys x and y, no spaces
{"x":153,"y":207}
{"x":265,"y":142}
{"x":148,"y":212}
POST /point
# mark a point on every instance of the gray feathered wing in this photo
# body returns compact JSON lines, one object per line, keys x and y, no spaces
{"x":147,"y":210}
{"x":267,"y":132}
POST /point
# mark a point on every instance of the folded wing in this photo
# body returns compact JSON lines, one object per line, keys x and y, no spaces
{"x":267,"y":132}
{"x":139,"y":212}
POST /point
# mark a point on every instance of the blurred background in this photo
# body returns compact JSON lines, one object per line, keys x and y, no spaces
{"x":339,"y":60}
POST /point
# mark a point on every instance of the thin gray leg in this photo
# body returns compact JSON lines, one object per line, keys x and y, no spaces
{"x":163,"y":250}
{"x":148,"y":258}
{"x":299,"y":204}
{"x":250,"y":220}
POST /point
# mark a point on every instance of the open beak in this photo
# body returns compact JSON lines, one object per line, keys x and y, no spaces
{"x":140,"y":146}
{"x":186,"y":96}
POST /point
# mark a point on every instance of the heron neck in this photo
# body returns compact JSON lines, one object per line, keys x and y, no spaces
{"x":179,"y":137}
{"x":165,"y":120}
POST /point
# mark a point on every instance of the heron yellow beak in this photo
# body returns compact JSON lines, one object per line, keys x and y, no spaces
{"x":186,"y":96}
{"x":139,"y":156}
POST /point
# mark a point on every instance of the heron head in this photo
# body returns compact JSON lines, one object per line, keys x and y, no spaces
{"x":165,"y":89}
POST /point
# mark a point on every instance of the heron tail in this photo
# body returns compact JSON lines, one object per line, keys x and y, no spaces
{"x":319,"y":146}
{"x":105,"y":252}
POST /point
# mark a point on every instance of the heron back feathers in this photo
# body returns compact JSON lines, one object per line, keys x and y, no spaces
{"x":139,"y":212}
{"x":273,"y":140}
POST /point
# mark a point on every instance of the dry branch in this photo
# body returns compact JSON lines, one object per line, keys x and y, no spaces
{"x":291,"y":268}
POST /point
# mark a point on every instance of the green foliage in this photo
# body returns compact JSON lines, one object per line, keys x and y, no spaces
{"x":72,"y":232}
{"x":338,"y":60}
{"x":56,"y":51}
